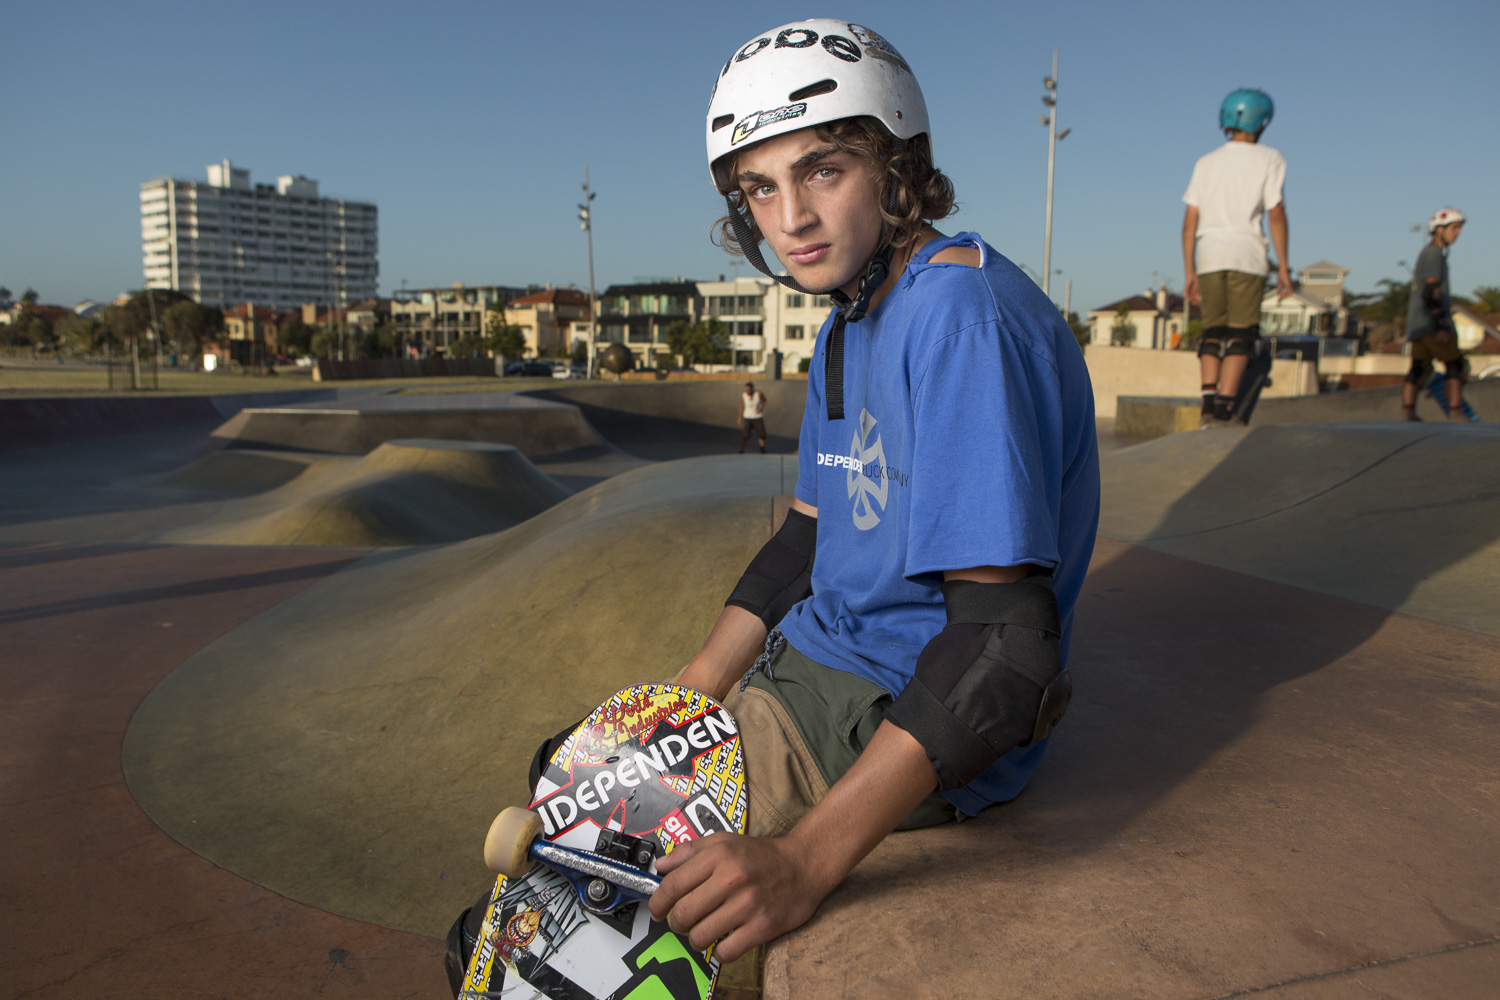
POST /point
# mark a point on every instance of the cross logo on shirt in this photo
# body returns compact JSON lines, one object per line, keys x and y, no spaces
{"x":862,"y":489}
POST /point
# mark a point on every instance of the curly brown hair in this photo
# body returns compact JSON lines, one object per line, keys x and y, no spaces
{"x":923,"y":192}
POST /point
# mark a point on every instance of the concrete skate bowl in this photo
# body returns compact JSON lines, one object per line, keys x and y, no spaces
{"x":1400,"y":516}
{"x":665,"y":420}
{"x":336,"y":747}
{"x":404,"y":492}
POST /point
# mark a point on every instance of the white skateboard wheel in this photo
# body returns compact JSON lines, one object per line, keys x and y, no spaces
{"x":509,"y":840}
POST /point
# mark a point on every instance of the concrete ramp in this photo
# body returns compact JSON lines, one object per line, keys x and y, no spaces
{"x":536,"y":427}
{"x":1400,"y":516}
{"x":337,"y":748}
{"x":411,"y":492}
{"x":233,"y":474}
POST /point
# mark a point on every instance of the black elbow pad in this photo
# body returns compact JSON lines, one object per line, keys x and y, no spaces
{"x":780,"y":575}
{"x":990,"y":681}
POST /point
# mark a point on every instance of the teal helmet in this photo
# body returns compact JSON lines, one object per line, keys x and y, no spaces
{"x":1247,"y":110}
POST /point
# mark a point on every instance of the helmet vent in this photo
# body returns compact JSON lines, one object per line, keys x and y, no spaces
{"x":721,"y":121}
{"x":813,"y":90}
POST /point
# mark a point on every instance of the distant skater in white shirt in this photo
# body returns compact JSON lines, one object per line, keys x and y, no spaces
{"x":1224,"y":250}
{"x":752,"y":416}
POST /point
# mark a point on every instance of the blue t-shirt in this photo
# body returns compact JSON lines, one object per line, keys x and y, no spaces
{"x":968,"y":440}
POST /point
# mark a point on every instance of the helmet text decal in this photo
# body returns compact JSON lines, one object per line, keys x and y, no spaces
{"x":760,"y":119}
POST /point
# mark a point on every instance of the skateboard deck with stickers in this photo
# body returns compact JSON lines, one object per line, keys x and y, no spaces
{"x":655,"y":766}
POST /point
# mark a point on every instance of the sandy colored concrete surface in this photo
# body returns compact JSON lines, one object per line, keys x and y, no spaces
{"x":1276,"y":778}
{"x":1274,"y":796}
{"x":99,"y":902}
{"x":404,"y":492}
{"x":337,"y":748}
{"x":1400,"y":516}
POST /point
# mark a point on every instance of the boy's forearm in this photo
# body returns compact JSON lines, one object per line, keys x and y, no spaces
{"x":735,"y":641}
{"x":1189,"y":240}
{"x":1277,"y":222}
{"x":890,"y":779}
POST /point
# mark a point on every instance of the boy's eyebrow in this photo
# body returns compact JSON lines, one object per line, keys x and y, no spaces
{"x":806,"y":159}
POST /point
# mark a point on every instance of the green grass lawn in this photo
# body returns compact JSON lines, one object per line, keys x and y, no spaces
{"x":21,"y":378}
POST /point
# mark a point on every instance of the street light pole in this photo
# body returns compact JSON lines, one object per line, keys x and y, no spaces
{"x":1050,"y":120}
{"x":585,"y":216}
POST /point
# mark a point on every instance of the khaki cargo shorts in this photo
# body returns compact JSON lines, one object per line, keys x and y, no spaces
{"x":1231,"y":298}
{"x":802,"y":725}
{"x":1429,"y":348}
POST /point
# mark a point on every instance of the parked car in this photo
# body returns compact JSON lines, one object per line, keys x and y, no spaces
{"x":532,"y":368}
{"x":568,"y":371}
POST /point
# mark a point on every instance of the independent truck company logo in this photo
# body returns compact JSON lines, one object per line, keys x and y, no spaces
{"x":867,"y":478}
{"x":864,"y":491}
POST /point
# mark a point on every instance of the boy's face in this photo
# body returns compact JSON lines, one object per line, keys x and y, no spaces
{"x":1450,"y":232}
{"x":815,"y":206}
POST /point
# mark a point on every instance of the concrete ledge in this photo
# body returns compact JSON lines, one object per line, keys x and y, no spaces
{"x":1156,"y":416}
{"x":536,"y":429}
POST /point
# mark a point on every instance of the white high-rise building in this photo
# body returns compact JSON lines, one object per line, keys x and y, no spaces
{"x":227,"y":242}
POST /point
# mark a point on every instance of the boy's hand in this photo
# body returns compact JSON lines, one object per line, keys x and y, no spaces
{"x":1283,"y":282}
{"x":739,"y":891}
{"x":1191,"y":291}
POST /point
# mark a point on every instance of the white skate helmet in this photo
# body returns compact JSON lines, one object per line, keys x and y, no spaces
{"x":1444,"y":217}
{"x":808,"y":73}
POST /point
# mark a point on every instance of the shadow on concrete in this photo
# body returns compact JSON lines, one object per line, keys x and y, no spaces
{"x":146,"y":595}
{"x":1388,"y":516}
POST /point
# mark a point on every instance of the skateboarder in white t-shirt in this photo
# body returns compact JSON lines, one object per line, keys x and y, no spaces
{"x":752,"y":416}
{"x":1224,"y":250}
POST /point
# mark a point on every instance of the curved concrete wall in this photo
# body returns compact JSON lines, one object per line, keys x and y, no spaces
{"x":26,"y":423}
{"x":664,"y":420}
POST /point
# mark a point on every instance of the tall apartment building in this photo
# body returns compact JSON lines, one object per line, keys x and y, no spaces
{"x":226,"y":242}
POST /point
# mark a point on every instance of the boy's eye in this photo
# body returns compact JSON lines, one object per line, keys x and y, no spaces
{"x":761,"y":190}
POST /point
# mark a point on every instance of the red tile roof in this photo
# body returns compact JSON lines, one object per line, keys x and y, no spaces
{"x":553,"y":296}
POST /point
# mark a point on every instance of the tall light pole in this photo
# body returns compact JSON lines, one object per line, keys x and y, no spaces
{"x":585,"y":218}
{"x":1050,"y":120}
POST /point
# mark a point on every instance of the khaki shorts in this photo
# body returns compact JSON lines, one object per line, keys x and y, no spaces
{"x":802,"y":725}
{"x":1231,"y":298}
{"x":1430,"y":349}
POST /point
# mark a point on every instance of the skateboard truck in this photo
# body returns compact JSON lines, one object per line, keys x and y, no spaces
{"x":614,"y":876}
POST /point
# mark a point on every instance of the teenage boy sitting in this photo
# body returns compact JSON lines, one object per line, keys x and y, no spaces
{"x":895,"y":656}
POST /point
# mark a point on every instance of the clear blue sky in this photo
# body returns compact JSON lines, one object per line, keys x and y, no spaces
{"x":470,"y":124}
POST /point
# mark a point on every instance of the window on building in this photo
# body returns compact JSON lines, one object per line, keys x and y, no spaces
{"x":822,"y":302}
{"x":749,"y":305}
{"x":794,"y":333}
{"x":794,"y":301}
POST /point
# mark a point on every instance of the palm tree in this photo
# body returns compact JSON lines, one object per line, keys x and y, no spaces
{"x":1487,"y":297}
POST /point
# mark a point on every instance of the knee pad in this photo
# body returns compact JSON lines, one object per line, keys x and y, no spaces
{"x":1242,"y":340}
{"x":1213,"y":341}
{"x":1457,"y":369}
{"x":1417,"y":373}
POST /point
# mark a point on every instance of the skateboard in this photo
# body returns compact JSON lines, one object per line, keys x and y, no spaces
{"x":1257,"y":376}
{"x":1437,"y":390}
{"x":655,"y":766}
